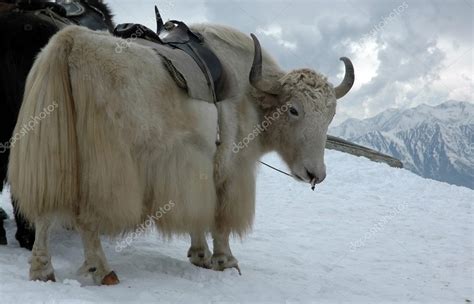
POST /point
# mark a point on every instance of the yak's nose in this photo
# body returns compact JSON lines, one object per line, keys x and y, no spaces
{"x":317,"y":177}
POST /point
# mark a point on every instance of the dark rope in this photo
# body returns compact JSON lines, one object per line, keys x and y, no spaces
{"x":275,"y":169}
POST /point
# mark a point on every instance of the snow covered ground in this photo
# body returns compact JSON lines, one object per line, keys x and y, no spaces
{"x":368,"y":234}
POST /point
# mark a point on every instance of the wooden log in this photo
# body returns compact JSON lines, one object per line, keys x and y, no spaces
{"x":339,"y":144}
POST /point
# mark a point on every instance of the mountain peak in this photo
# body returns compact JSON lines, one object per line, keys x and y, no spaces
{"x":433,"y":141}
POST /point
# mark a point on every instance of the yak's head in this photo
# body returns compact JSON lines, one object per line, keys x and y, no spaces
{"x":304,"y":103}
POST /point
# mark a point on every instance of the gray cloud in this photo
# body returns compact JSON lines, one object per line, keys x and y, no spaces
{"x":421,"y":53}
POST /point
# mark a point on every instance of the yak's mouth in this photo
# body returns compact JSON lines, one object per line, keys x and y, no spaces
{"x":310,"y":178}
{"x":310,"y":175}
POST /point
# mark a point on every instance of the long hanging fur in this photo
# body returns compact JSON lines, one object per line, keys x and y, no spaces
{"x":23,"y":35}
{"x":117,"y":149}
{"x":43,"y":160}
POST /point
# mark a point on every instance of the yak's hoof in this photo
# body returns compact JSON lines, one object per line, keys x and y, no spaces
{"x":26,"y":238}
{"x":200,"y":256}
{"x":51,"y":277}
{"x":111,"y":279}
{"x":43,"y":278}
{"x":41,"y":268}
{"x":100,"y":274}
{"x":221,"y":261}
{"x":3,"y":237}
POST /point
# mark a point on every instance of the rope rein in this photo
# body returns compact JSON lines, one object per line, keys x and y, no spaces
{"x":278,"y":170}
{"x":313,"y":181}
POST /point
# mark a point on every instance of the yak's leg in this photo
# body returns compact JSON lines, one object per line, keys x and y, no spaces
{"x":222,"y":257}
{"x":25,"y":233}
{"x":234,"y":214}
{"x":95,"y":262}
{"x":199,"y":253}
{"x":3,"y":236}
{"x":41,"y":267}
{"x":3,"y":215}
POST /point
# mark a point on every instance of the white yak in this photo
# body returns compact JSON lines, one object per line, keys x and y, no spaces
{"x":125,"y":140}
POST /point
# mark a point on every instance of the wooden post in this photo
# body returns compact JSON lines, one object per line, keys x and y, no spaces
{"x":339,"y":144}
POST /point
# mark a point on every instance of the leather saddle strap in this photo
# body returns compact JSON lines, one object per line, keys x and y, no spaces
{"x":196,"y":82}
{"x":189,"y":49}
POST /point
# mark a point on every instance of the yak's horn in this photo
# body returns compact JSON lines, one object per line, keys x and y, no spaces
{"x":348,"y":81}
{"x":256,"y":78}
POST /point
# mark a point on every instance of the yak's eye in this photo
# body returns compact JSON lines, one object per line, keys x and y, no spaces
{"x":293,"y":111}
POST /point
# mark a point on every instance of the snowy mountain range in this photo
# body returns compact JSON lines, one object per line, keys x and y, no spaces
{"x":435,"y":142}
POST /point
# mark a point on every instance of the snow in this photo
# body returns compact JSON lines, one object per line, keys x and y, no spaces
{"x":368,"y":234}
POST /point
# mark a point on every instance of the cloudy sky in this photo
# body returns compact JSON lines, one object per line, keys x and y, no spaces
{"x":405,"y":52}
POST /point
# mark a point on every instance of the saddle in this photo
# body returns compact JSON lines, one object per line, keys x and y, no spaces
{"x":192,"y":64}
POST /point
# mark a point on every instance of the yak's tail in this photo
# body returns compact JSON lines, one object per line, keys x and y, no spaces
{"x":43,"y":170}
